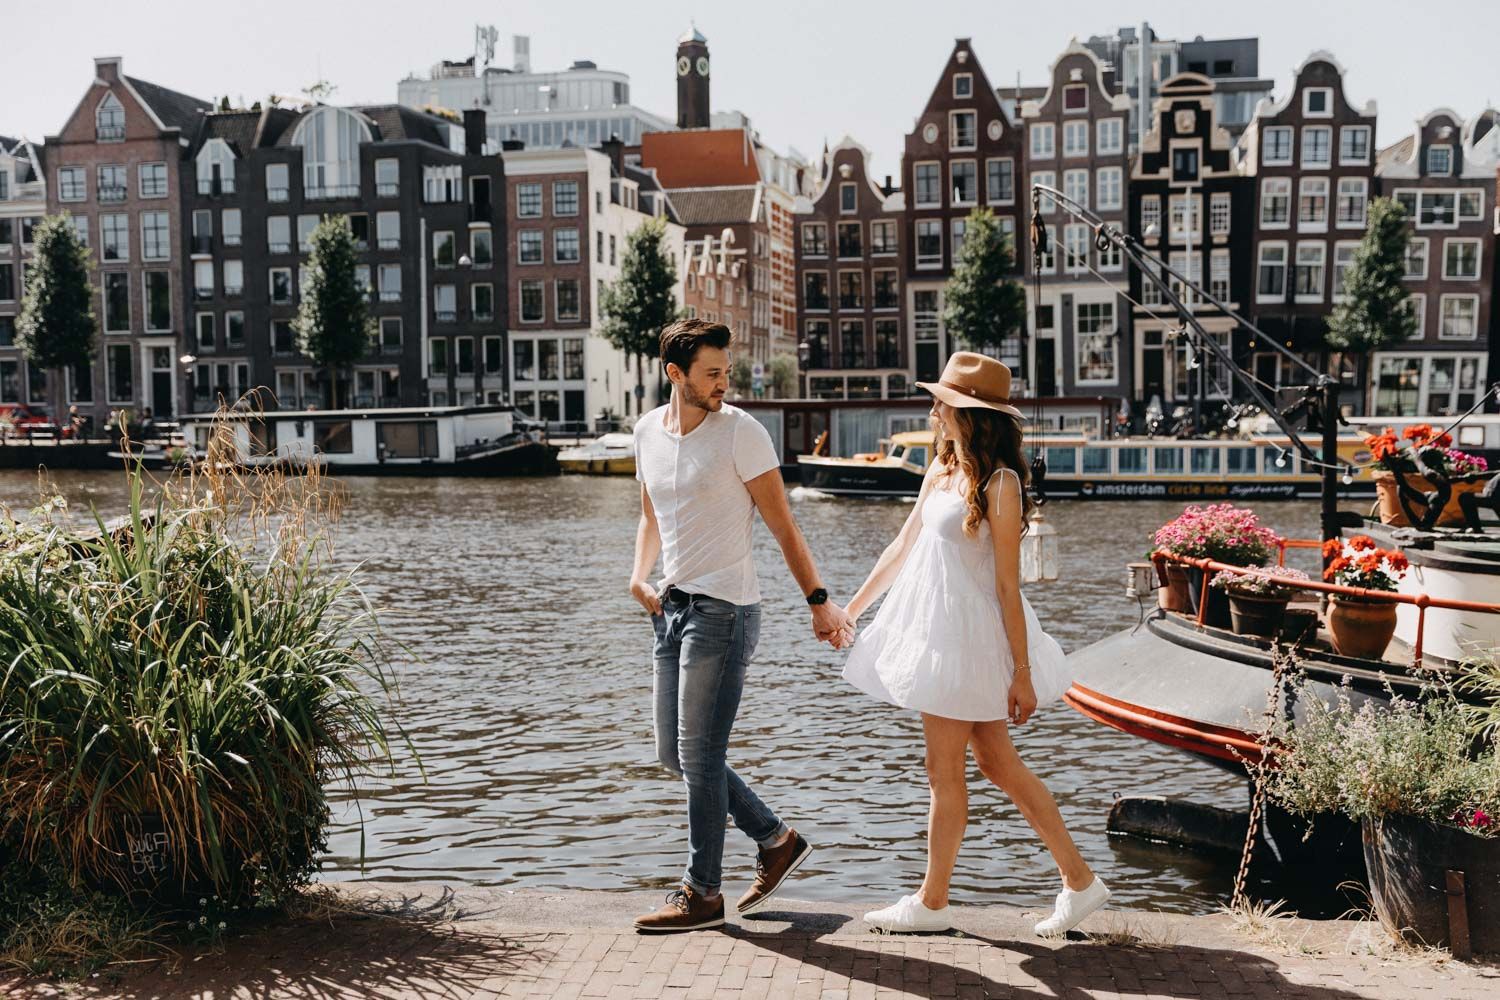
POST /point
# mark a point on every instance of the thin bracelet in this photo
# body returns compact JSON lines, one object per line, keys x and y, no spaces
{"x":1025,"y":666}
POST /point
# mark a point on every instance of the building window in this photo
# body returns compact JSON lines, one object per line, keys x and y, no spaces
{"x":437,"y":358}
{"x":120,"y":378}
{"x":564,"y":197}
{"x":815,"y":290}
{"x":1309,"y":276}
{"x":112,"y":183}
{"x":883,"y":237}
{"x":279,"y":234}
{"x":1470,"y":205}
{"x":887,"y":289}
{"x":533,"y":308}
{"x":1271,"y":279}
{"x":203,"y":279}
{"x":814,"y":239}
{"x":109,"y":120}
{"x":158,"y":300}
{"x":305,"y":226}
{"x":1312,"y":204}
{"x":388,"y":230}
{"x":464,"y":349}
{"x":1184,"y":217}
{"x":390,"y":335}
{"x":1459,"y":317}
{"x":1461,"y":260}
{"x":1317,"y":102}
{"x":569,"y":308}
{"x":850,"y":243}
{"x":153,"y":180}
{"x":1045,"y":178}
{"x":529,"y":246}
{"x":1151,"y":216}
{"x":1416,"y":258}
{"x":1190,"y":266}
{"x":1354,"y":144}
{"x":1076,"y":138}
{"x":278,"y":181}
{"x":1110,"y":194}
{"x":1076,"y":248}
{"x":1351,"y":202}
{"x":888,"y":343}
{"x":1439,"y":160}
{"x":529,"y":200}
{"x":1111,"y":137}
{"x":929,"y":184}
{"x":963,"y":129}
{"x":72,"y":184}
{"x":281,"y":285}
{"x":1437,"y":209}
{"x":156,"y":236}
{"x":1343,"y":259}
{"x":963,"y":85}
{"x":848,"y":198}
{"x":1276,"y":146}
{"x":851,"y":290}
{"x":116,"y":302}
{"x":1317,"y":141}
{"x":445,"y":303}
{"x":1218,"y":213}
{"x":206,"y":331}
{"x":234,"y":329}
{"x":1218,"y":275}
{"x":964,"y":175}
{"x":1095,"y":322}
{"x":1185,"y":164}
{"x":1076,"y":185}
{"x":482,"y":247}
{"x":852,"y":343}
{"x":387,"y":178}
{"x":565,"y":248}
{"x":929,"y":243}
{"x":1076,"y":98}
{"x":482,"y":301}
{"x":1110,"y":258}
{"x":445,"y":249}
{"x":442,"y":184}
{"x":1000,"y":178}
{"x":1043,"y":140}
{"x":114,"y":237}
{"x":958,"y":227}
{"x":390,"y":282}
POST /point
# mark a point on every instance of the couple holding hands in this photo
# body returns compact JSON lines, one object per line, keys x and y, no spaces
{"x":955,"y":639}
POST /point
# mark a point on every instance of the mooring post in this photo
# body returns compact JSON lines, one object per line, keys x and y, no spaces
{"x":1458,"y":916}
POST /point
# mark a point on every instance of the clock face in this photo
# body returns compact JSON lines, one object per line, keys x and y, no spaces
{"x":703,"y":65}
{"x":683,"y":66}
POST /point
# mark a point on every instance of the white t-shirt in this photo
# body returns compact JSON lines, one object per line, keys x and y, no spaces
{"x":697,"y":487}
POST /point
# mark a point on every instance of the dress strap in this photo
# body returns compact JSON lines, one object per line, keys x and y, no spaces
{"x":1004,"y":468}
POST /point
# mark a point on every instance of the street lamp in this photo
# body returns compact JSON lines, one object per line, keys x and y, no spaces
{"x":186,"y":361}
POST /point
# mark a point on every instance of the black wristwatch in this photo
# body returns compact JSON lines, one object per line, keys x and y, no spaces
{"x":818,"y":596}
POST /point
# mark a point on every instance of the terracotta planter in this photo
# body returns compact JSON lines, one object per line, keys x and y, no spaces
{"x":1390,"y":504}
{"x":1253,"y":615}
{"x":1174,"y":596}
{"x":1361,"y":628}
{"x":1217,"y":613}
{"x":1408,"y":860}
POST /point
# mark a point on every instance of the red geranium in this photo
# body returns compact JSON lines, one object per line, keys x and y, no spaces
{"x":1332,"y":547}
{"x":1361,"y":543}
{"x":1398,"y":561}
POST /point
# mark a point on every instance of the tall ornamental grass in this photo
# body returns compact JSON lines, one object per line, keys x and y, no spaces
{"x":179,"y":691}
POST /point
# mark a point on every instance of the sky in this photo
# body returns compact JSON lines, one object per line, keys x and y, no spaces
{"x":805,"y":71}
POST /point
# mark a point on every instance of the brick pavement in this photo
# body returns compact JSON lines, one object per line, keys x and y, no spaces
{"x":486,"y":943}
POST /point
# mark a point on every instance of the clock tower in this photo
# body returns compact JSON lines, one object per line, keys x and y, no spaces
{"x":692,"y":80}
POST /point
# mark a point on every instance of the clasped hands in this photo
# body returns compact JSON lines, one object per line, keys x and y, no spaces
{"x":833,"y":625}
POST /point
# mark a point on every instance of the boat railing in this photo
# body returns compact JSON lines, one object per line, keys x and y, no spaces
{"x":1420,"y":601}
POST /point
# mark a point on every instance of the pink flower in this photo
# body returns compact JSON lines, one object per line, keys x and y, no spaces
{"x":1481,"y":819}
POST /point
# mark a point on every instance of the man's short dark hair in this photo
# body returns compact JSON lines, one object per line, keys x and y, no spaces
{"x":681,"y":340}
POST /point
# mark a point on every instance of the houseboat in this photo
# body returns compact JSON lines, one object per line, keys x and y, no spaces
{"x":1087,"y":468}
{"x":607,"y":455}
{"x":431,"y":441}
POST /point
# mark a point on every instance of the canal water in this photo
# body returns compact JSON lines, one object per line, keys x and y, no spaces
{"x":527,"y":697}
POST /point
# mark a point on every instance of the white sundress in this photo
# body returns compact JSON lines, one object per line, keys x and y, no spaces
{"x":938,"y":643}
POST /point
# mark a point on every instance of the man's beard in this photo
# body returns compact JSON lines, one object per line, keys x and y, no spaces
{"x":691,"y":398}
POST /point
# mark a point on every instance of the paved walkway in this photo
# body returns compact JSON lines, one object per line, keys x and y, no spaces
{"x":425,"y":941}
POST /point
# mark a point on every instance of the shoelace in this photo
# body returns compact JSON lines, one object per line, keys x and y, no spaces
{"x":679,"y":899}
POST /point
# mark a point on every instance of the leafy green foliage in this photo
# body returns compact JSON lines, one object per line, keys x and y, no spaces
{"x":642,"y":301}
{"x":983,"y":304}
{"x":57,"y":327}
{"x":333,"y":325}
{"x":1375,"y":312}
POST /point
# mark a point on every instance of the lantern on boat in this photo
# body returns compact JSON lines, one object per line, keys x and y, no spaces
{"x":1038,"y":550}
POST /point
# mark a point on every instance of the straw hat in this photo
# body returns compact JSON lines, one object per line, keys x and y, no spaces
{"x":974,"y":380}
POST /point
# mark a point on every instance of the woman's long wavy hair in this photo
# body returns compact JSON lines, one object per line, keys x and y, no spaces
{"x":983,"y":440}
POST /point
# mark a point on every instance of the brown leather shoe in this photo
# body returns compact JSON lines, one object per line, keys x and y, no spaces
{"x":685,"y":910}
{"x":771,"y":869}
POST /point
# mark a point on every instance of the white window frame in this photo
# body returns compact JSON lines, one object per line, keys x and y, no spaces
{"x":82,"y":184}
{"x":1191,"y":217}
{"x":1043,"y":140}
{"x":1327,"y":111}
{"x":1115,"y":132}
{"x":124,"y":256}
{"x":1271,"y":187}
{"x":1219,"y":266}
{"x":1302,"y":186}
{"x":1418,"y":302}
{"x":1110,"y":338}
{"x":1427,"y":170}
{"x":1478,"y":258}
{"x":953,"y":187}
{"x":1363,"y":184}
{"x":140,"y":180}
{"x":1350,"y":130}
{"x":1150,"y":214}
{"x":1075,"y":248}
{"x":1220,"y":205}
{"x":1443,"y":314}
{"x":1426,"y":243}
{"x":954,"y":146}
{"x":1291,"y":135}
{"x":1076,"y":185}
{"x":1351,"y":247}
{"x":963,"y":76}
{"x":1110,"y":258}
{"x":578,"y":259}
{"x":541,"y":200}
{"x":1260,"y":262}
{"x":1075,"y":139}
{"x":167,"y":240}
{"x":1115,"y":187}
{"x":1458,"y":208}
{"x":991,"y":199}
{"x":931,"y":262}
{"x":1322,"y":252}
{"x":1047,"y":203}
{"x":1075,"y":88}
{"x":1308,"y":164}
{"x":916,"y":188}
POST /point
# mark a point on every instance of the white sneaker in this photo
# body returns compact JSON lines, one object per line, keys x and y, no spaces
{"x":1072,"y":907}
{"x":909,"y":915}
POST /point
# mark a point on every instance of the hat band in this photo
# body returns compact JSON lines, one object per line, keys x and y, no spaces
{"x":975,"y":393}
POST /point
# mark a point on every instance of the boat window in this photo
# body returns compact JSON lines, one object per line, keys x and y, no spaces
{"x":262,"y":436}
{"x":333,"y":437}
{"x":1268,"y":457}
{"x":898,"y":450}
{"x":1096,"y":461}
{"x":917,"y":457}
{"x":1205,"y":461}
{"x":1131,"y":460}
{"x":1167,"y":460}
{"x":409,"y":438}
{"x":1239,"y":461}
{"x":1063,"y":460}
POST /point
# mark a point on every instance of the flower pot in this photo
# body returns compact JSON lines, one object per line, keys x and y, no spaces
{"x":1217,"y":612}
{"x":1390,"y":503}
{"x":1408,"y":860}
{"x":1251,"y":614}
{"x":1361,"y":628}
{"x":1174,"y":596}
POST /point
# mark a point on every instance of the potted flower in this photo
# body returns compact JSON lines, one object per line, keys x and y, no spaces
{"x":1424,"y":787}
{"x":1395,"y":457}
{"x":1362,"y":626}
{"x":1223,"y":533}
{"x":1258,"y":597}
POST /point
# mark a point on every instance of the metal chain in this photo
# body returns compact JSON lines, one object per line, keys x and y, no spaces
{"x":1282,"y":658}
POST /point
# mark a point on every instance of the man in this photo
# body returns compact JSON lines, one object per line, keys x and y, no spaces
{"x":705,"y":469}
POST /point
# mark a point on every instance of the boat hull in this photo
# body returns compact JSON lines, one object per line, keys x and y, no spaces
{"x":860,"y":479}
{"x":530,"y":458}
{"x":596,"y":466}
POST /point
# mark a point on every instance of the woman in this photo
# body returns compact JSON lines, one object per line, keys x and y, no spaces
{"x":957,"y":641}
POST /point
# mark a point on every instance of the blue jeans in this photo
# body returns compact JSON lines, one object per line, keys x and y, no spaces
{"x":703,"y":646}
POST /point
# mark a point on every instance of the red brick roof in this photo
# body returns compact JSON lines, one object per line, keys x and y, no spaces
{"x":700,"y":157}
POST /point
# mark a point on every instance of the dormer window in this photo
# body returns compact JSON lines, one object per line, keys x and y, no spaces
{"x":1317,"y":102}
{"x":1440,"y":160}
{"x":963,"y":85}
{"x":1076,"y":98}
{"x":109,"y":120}
{"x":1185,"y":164}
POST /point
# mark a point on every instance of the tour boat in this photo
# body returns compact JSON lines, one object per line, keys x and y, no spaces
{"x":416,"y":441}
{"x":1085,"y":468}
{"x":606,"y":455}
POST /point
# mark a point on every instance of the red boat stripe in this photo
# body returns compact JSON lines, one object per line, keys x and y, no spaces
{"x":1173,"y":730}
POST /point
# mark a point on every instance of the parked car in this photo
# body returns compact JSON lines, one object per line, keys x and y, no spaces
{"x":22,"y":420}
